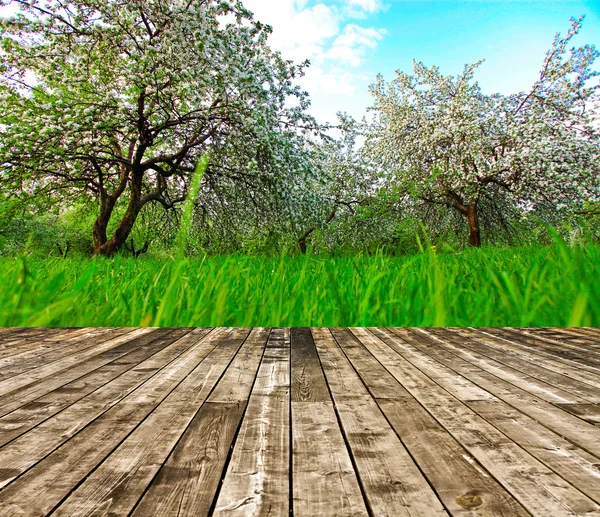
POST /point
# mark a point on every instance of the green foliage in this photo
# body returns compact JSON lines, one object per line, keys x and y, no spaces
{"x":27,"y":231}
{"x":188,"y":207}
{"x":528,"y":286}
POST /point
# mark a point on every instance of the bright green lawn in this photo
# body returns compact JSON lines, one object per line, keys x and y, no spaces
{"x":555,"y":286}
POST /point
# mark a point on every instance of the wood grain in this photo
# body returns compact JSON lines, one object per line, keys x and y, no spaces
{"x":258,"y":476}
{"x":534,"y":485}
{"x":308,"y":382}
{"x":393,"y":484}
{"x":190,"y":478}
{"x":310,"y":422}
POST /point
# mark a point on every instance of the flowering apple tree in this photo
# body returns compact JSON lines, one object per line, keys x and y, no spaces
{"x":118,"y":101}
{"x":343,"y":180}
{"x":447,"y":143}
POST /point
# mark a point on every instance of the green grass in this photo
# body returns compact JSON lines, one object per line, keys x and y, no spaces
{"x":556,"y":286}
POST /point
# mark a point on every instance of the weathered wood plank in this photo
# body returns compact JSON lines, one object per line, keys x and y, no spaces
{"x":577,"y":431}
{"x":392,"y":483}
{"x":571,"y":463}
{"x":562,"y":334}
{"x":6,"y":331}
{"x":116,"y":486}
{"x":240,"y":422}
{"x":463,"y":485}
{"x":40,"y":341}
{"x":539,"y":357}
{"x":308,"y":382}
{"x":526,"y":368}
{"x":45,"y":370}
{"x":30,"y":392}
{"x":535,"y":486}
{"x":48,"y":481}
{"x":323,"y":477}
{"x":588,"y":412}
{"x":571,"y":353}
{"x":189,"y":480}
{"x":258,"y":475}
{"x":591,"y":334}
{"x":583,"y":341}
{"x":34,"y":357}
{"x":58,"y":394}
{"x":530,"y":383}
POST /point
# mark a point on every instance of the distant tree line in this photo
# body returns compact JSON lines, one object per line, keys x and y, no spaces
{"x":106,"y":107}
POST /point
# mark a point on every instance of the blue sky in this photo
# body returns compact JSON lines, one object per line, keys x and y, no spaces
{"x":351,"y":41}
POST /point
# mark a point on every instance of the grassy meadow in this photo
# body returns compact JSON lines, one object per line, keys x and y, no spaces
{"x":526,"y":286}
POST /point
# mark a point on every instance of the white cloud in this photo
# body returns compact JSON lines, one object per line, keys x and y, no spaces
{"x":351,"y":46}
{"x":362,"y":8}
{"x":299,"y":32}
{"x":324,"y":34}
{"x":368,"y":5}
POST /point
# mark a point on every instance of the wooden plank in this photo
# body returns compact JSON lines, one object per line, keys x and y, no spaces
{"x":78,"y":446}
{"x":187,"y":483}
{"x":258,"y":475}
{"x":580,"y":390}
{"x":560,"y":334}
{"x":115,"y":486}
{"x":42,"y":341}
{"x":308,"y":382}
{"x":538,"y":357}
{"x":571,"y":462}
{"x":392,"y":483}
{"x":588,"y":412}
{"x":324,"y":482}
{"x":593,"y":334}
{"x":462,"y":484}
{"x":535,"y":486}
{"x":279,"y":338}
{"x":239,"y":377}
{"x":574,"y":465}
{"x":323,"y":477}
{"x":483,"y":425}
{"x":577,"y":431}
{"x":482,"y":358}
{"x":19,"y":421}
{"x":35,"y":356}
{"x":583,"y":340}
{"x":573,"y":354}
{"x":32,"y":391}
{"x":52,"y":368}
{"x":15,"y":333}
{"x":7,"y":331}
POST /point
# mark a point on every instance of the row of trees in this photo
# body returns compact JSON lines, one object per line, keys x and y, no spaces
{"x":110,"y":105}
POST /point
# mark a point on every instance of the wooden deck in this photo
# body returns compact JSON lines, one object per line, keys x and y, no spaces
{"x":309,"y":422}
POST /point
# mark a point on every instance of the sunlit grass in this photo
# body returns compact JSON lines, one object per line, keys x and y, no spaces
{"x":555,"y":286}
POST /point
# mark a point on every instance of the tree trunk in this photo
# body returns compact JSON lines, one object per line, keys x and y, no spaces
{"x":474,"y":230}
{"x":302,"y":239}
{"x":307,"y":233}
{"x":101,"y":224}
{"x":110,"y":246}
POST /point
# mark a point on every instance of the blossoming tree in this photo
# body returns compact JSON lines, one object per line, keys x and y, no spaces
{"x":447,"y":143}
{"x":118,"y":100}
{"x":344,"y":181}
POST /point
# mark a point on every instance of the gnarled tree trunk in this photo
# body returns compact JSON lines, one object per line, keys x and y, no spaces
{"x":108,"y":247}
{"x":302,"y":239}
{"x":471,"y":215}
{"x":474,"y":230}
